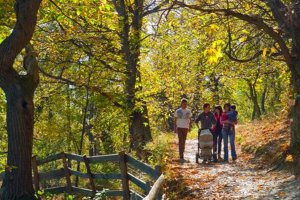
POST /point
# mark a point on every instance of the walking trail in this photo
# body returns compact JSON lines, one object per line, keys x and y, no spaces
{"x":243,"y":179}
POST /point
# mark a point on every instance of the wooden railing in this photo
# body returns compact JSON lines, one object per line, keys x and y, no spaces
{"x":124,"y":161}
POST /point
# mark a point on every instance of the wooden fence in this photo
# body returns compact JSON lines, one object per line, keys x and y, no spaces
{"x":124,"y":161}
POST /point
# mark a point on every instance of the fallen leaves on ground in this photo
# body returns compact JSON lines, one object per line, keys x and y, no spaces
{"x":247,"y":178}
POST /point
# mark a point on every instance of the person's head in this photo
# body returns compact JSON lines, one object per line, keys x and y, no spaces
{"x":218,"y":109}
{"x":206,"y":107}
{"x":233,"y":107}
{"x":227,"y":107}
{"x":183,"y":103}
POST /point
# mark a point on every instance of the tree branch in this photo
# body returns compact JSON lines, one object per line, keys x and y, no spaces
{"x":26,"y":13}
{"x":92,"y":88}
{"x":31,"y":65}
{"x":158,"y":8}
{"x":278,"y":10}
{"x":258,"y":22}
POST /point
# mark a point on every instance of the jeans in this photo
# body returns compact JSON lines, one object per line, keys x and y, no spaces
{"x":220,"y":137}
{"x":231,"y":135}
{"x":217,"y":138}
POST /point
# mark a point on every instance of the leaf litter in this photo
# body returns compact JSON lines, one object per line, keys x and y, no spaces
{"x":246,"y":178}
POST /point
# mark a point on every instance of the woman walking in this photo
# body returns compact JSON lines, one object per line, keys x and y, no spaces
{"x":218,"y":131}
{"x":228,"y":132}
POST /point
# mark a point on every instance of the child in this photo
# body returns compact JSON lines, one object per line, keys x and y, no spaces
{"x":232,"y":116}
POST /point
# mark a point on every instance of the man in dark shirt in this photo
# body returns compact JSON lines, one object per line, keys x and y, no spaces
{"x":208,"y":120}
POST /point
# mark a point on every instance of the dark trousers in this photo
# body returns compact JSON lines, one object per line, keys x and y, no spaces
{"x":217,"y":146}
{"x":182,"y":133}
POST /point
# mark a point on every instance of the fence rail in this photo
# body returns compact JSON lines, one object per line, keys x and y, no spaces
{"x":151,"y":192}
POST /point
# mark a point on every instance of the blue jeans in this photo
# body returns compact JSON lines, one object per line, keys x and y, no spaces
{"x":231,"y":135}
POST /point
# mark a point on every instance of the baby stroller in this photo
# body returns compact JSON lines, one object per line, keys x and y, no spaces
{"x":205,"y":145}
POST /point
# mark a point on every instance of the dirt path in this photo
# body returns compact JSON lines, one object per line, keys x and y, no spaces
{"x":244,"y":179}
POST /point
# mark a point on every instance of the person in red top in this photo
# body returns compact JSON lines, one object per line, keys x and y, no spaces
{"x":217,"y":130}
{"x":227,"y":132}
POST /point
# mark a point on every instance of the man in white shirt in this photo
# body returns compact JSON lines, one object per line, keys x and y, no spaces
{"x":182,"y":125}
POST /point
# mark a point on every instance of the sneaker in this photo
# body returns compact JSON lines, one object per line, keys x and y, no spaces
{"x":234,"y":159}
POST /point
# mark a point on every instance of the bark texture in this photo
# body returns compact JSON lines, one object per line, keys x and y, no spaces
{"x":19,"y":91}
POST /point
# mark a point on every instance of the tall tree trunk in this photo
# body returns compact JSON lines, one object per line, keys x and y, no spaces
{"x":139,"y":129}
{"x":17,"y":183}
{"x":295,"y":114}
{"x":69,"y":138}
{"x":263,"y":99}
{"x":18,"y":180}
{"x":83,"y":130}
{"x":256,"y":113}
{"x":19,"y":91}
{"x":131,"y":27}
{"x":89,"y":127}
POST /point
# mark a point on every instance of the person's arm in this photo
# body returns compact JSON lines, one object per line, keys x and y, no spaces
{"x":236,"y":118}
{"x":197,"y":121}
{"x":229,"y":122}
{"x":225,"y":121}
{"x":213,"y":120}
{"x":175,"y":124}
{"x":232,"y":121}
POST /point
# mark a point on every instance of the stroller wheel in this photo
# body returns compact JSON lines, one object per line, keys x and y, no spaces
{"x":197,"y":158}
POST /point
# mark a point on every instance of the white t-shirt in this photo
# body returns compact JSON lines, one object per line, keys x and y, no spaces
{"x":183,"y":118}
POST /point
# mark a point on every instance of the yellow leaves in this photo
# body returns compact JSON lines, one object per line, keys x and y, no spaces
{"x":289,"y":158}
{"x":214,"y":53}
{"x":245,"y":31}
{"x":281,"y":194}
{"x":273,"y":50}
{"x":264,"y":53}
{"x":210,"y":52}
{"x":217,"y":43}
{"x":243,"y":39}
{"x":247,"y":6}
{"x":212,"y":29}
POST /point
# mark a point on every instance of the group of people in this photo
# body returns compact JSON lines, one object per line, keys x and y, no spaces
{"x":221,"y":123}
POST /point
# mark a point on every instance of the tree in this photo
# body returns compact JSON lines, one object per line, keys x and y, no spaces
{"x":95,"y":37}
{"x":279,"y":21}
{"x":19,"y":92}
{"x":131,"y":18}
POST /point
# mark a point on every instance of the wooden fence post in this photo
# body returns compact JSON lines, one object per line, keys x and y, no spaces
{"x":35,"y":174}
{"x":158,"y":173}
{"x":69,"y":164}
{"x":124,"y":174}
{"x":148,"y":183}
{"x":67,"y":172}
{"x":89,"y":172}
